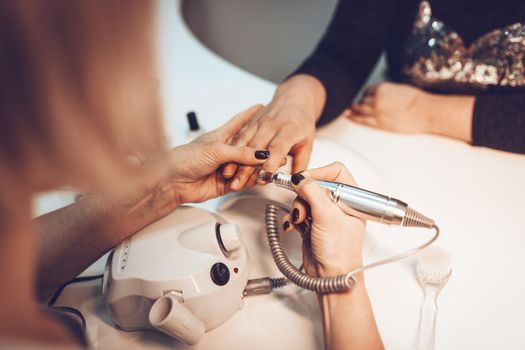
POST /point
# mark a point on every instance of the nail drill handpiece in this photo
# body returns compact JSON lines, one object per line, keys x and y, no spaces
{"x":360,"y":203}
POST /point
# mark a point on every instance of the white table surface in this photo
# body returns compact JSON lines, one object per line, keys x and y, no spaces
{"x":474,"y":194}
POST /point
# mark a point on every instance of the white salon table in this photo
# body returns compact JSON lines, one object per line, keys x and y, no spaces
{"x":476,"y":196}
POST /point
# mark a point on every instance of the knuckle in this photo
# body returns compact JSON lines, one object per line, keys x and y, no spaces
{"x":216,"y":145}
{"x":278,"y":149}
{"x":338,"y":165}
{"x":263,"y":130}
{"x":245,"y":130}
{"x":244,"y":140}
{"x":265,"y":115}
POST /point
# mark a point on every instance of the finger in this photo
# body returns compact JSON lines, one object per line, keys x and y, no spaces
{"x":287,"y":223}
{"x":223,"y":153}
{"x":239,"y":121}
{"x":304,"y":229}
{"x":300,"y":211}
{"x":279,"y":148}
{"x":367,"y":100}
{"x":313,"y":194}
{"x":241,"y":139}
{"x":347,"y":113}
{"x":260,"y":141}
{"x":283,"y":143}
{"x":362,"y":109}
{"x":336,"y":172}
{"x":245,"y":135}
{"x":242,"y":177}
{"x":301,"y":157}
{"x":254,"y":178}
{"x":365,"y":120}
{"x":255,"y":119}
{"x":371,"y":90}
{"x":263,"y":136}
{"x":262,"y":182}
{"x":229,"y":170}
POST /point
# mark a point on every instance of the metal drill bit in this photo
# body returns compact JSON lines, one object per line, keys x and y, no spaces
{"x":266,"y":176}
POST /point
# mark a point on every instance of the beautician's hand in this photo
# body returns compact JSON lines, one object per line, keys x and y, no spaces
{"x":407,"y":109}
{"x":332,"y":240}
{"x":285,"y":126}
{"x":99,"y":221}
{"x":195,"y":174}
{"x":332,"y":246}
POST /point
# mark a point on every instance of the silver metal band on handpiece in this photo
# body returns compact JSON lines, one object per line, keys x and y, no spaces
{"x":365,"y":204}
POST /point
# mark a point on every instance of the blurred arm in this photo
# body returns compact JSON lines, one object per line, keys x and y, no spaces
{"x":72,"y":238}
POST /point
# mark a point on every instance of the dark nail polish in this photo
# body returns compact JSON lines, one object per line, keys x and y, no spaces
{"x":262,"y":154}
{"x":296,"y":178}
{"x":295,"y":215}
{"x":303,"y":227}
{"x":286,"y":225}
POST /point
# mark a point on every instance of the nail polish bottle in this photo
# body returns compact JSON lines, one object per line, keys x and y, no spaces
{"x":194,"y":128}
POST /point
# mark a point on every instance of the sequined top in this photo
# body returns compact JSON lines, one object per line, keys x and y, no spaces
{"x":423,"y":48}
{"x":436,"y":56}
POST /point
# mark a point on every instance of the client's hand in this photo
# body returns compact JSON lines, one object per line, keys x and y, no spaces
{"x":407,"y":109}
{"x":332,"y":240}
{"x":393,"y":107}
{"x":195,"y":174}
{"x":285,"y":126}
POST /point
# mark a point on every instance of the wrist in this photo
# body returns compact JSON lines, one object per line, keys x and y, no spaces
{"x":324,"y":270}
{"x":359,"y":287}
{"x":123,"y":214}
{"x":430,"y":116}
{"x":453,"y":118}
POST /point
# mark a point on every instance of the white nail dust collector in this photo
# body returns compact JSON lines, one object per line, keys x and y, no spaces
{"x":183,"y":275}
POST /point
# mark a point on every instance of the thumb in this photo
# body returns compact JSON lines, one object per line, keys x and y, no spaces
{"x":317,"y":197}
{"x":240,"y":154}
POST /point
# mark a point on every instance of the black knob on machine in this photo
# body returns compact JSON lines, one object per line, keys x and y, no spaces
{"x":220,"y":274}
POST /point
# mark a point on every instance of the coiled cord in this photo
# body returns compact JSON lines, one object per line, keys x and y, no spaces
{"x":334,"y":284}
{"x":316,"y":284}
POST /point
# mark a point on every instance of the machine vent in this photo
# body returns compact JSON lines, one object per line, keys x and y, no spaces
{"x":124,"y":254}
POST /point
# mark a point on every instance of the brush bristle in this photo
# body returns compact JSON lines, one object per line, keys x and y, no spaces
{"x":434,"y":265}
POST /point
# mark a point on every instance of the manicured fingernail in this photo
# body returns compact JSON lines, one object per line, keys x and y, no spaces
{"x":235,"y":184}
{"x":303,"y":227}
{"x":286,"y":225}
{"x":262,"y":154}
{"x":296,"y":178}
{"x":261,"y":182}
{"x":295,"y":215}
